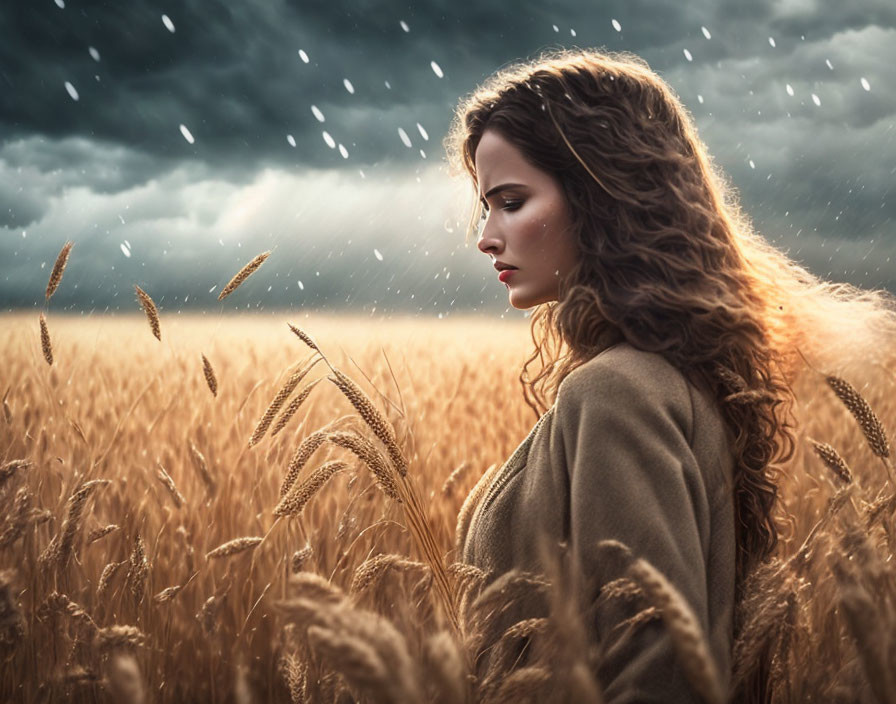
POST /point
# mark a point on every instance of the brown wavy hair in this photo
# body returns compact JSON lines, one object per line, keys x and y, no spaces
{"x":667,"y":259}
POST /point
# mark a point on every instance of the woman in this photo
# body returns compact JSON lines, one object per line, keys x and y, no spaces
{"x":671,"y":408}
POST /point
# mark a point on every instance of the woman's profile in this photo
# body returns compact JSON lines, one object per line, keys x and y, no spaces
{"x":670,"y":336}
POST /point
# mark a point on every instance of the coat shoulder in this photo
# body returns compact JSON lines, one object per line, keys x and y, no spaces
{"x":624,"y":367}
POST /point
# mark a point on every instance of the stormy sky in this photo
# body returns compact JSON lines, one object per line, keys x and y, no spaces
{"x":175,"y":141}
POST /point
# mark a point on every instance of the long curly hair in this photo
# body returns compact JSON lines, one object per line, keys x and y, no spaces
{"x":667,"y":259}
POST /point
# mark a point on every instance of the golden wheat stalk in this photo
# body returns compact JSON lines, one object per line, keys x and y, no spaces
{"x":45,"y":340}
{"x":233,"y":547}
{"x":858,"y":407}
{"x":106,"y":577}
{"x":367,"y":453}
{"x":369,"y":572}
{"x":293,"y":406}
{"x":380,"y":426}
{"x":167,"y":594}
{"x":242,"y":275}
{"x":684,"y":629}
{"x":210,"y":377}
{"x":152,"y":313}
{"x":7,"y":411}
{"x":278,"y":402}
{"x":299,"y":558}
{"x":306,"y":338}
{"x":99,"y":533}
{"x":138,"y":570}
{"x":304,"y":451}
{"x":169,"y":484}
{"x":58,"y":268}
{"x":8,"y":469}
{"x":294,"y":502}
{"x":202,"y":468}
{"x":832,"y":460}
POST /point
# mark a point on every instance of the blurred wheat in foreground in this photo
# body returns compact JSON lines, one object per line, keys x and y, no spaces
{"x":149,"y":553}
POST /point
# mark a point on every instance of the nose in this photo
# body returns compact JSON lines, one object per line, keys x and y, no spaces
{"x":488,"y":242}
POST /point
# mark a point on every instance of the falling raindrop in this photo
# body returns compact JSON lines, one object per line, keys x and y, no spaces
{"x":572,"y":32}
{"x":343,"y":151}
{"x":556,"y":28}
{"x":186,"y":133}
{"x":377,"y":254}
{"x":303,"y":56}
{"x":74,"y":94}
{"x":94,"y":54}
{"x":617,"y":26}
{"x":705,"y":32}
{"x":700,"y":99}
{"x":436,"y":69}
{"x":422,"y":132}
{"x":331,"y":143}
{"x":291,"y":140}
{"x":317,"y":113}
{"x":404,"y":137}
{"x":125,"y":250}
{"x":388,"y":85}
{"x":169,"y":25}
{"x":816,"y":99}
{"x":865,"y":84}
{"x":404,"y":26}
{"x":752,"y":165}
{"x":60,"y":3}
{"x":301,"y":285}
{"x":789,"y":89}
{"x":771,"y":41}
{"x":687,"y":55}
{"x":348,"y":85}
{"x":422,"y":154}
{"x":830,"y":65}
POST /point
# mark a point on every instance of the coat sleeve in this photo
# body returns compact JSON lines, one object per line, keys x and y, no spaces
{"x":633,"y":477}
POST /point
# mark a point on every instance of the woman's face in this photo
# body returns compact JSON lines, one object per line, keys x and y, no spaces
{"x":527,"y":225}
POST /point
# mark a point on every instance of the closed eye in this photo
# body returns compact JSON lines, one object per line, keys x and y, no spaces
{"x":512,"y":205}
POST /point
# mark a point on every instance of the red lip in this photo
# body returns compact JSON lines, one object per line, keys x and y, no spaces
{"x":505,"y":274}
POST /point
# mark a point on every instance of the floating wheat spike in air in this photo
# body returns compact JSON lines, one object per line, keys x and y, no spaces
{"x":45,"y":340}
{"x":210,"y":377}
{"x":152,"y":313}
{"x":242,"y":275}
{"x":59,"y":268}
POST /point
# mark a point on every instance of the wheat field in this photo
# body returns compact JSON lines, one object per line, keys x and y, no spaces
{"x":204,"y":508}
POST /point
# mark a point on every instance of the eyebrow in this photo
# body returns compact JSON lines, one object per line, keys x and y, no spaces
{"x":498,"y":189}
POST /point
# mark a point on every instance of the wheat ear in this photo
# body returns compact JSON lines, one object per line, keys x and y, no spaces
{"x":369,"y":572}
{"x":278,"y":402}
{"x":138,"y":570}
{"x":832,"y":460}
{"x":684,"y":629}
{"x":242,"y":275}
{"x":299,"y":558}
{"x":210,"y":377}
{"x":294,"y":502}
{"x":300,"y":457}
{"x":233,"y":547}
{"x":367,"y":452}
{"x":293,"y":406}
{"x":45,"y":340}
{"x":202,"y":468}
{"x":58,"y":268}
{"x":858,"y":407}
{"x":152,"y":313}
{"x":378,"y":424}
{"x":166,"y":479}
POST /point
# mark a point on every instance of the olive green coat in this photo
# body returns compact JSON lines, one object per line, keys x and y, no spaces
{"x":633,"y":451}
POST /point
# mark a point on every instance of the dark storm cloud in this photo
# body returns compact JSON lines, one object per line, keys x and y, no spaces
{"x":776,"y":92}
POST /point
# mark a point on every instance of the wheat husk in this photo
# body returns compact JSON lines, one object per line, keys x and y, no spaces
{"x":242,"y":275}
{"x":58,"y":269}
{"x":45,"y":344}
{"x":152,"y":313}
